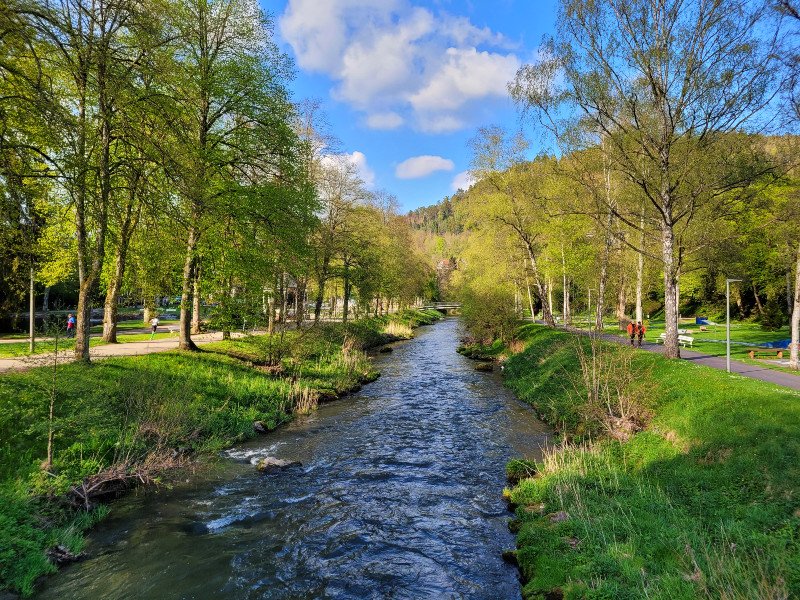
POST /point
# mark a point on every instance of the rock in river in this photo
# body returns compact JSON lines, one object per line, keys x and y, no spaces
{"x":275,"y":465}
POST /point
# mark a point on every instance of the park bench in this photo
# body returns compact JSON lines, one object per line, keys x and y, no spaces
{"x":754,"y":353}
{"x":683,"y":340}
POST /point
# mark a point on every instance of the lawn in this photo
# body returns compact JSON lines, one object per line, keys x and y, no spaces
{"x":700,"y":500}
{"x":744,"y":337}
{"x":21,"y":349}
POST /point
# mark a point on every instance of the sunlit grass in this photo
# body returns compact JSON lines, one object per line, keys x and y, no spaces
{"x":701,"y":503}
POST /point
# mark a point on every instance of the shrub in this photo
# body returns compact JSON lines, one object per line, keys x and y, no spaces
{"x":489,"y":315}
{"x":772,"y":318}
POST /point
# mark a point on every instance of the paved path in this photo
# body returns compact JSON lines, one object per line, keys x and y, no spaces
{"x":161,"y":329}
{"x":104,"y":351}
{"x":740,"y":368}
{"x":716,"y":362}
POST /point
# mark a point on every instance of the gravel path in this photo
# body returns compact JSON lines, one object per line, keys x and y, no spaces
{"x":104,"y":351}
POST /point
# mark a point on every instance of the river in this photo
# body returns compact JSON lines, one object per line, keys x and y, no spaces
{"x":398,"y":497}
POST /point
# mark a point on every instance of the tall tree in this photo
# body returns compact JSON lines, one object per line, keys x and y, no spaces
{"x":513,"y":197}
{"x":661,"y":84}
{"x":231,"y":117}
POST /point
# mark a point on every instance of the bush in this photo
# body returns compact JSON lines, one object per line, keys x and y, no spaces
{"x":772,"y":319}
{"x":489,"y":315}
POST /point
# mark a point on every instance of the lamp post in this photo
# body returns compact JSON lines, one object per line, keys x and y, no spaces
{"x":728,"y":323}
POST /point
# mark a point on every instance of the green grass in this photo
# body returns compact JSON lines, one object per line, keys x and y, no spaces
{"x":20,"y":349}
{"x":134,"y":409}
{"x":701,"y":503}
{"x":712,"y":342}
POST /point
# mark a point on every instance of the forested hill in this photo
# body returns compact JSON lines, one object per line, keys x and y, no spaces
{"x":438,"y":218}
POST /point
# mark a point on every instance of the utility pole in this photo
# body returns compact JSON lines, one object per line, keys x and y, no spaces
{"x":32,"y":316}
{"x":728,"y":323}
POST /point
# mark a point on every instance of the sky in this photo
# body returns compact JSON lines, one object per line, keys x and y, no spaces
{"x":405,"y":84}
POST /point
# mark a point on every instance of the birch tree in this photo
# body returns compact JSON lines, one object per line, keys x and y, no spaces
{"x":660,"y":84}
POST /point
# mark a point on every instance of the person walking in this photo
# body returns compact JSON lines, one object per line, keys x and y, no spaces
{"x":70,"y":325}
{"x":632,"y":332}
{"x":640,"y":331}
{"x":154,"y":326}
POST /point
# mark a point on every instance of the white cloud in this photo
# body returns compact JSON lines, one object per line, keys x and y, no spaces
{"x":364,"y":171}
{"x":386,"y":120}
{"x":422,"y":166}
{"x":465,"y":75}
{"x":440,"y":123}
{"x":359,"y":162}
{"x":462,"y":181}
{"x":431,"y":70}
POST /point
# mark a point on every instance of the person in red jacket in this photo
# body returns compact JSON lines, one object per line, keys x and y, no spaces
{"x":640,"y":329}
{"x":632,"y":331}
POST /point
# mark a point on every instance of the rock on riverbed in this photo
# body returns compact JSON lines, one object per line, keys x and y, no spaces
{"x":276,"y":465}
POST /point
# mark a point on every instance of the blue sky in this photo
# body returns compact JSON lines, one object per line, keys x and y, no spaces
{"x":406,"y":83}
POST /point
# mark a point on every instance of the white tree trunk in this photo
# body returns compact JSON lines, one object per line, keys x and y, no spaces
{"x":671,"y":348}
{"x":565,"y":284}
{"x":794,"y":354}
{"x":640,"y":272}
{"x":528,"y":287}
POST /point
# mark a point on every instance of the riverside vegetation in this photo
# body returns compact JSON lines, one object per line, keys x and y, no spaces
{"x":126,"y":421}
{"x":672,"y":480}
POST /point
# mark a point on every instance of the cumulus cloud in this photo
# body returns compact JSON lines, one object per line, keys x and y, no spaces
{"x":364,"y":171}
{"x":462,"y":181}
{"x":358,"y":160}
{"x":465,"y":75}
{"x":400,"y":63}
{"x":386,"y":120}
{"x":422,"y":166}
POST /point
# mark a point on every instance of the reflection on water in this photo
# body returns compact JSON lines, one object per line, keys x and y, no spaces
{"x":398,"y":497}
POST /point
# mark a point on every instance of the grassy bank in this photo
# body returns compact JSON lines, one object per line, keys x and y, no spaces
{"x":678,"y":482}
{"x":123,"y":421}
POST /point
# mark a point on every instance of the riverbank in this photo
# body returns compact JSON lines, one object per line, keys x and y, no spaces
{"x":126,"y":421}
{"x":674,"y":480}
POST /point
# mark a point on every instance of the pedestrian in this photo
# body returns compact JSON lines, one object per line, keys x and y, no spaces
{"x":632,"y":332}
{"x":154,"y":326}
{"x":70,"y":325}
{"x":640,"y":330}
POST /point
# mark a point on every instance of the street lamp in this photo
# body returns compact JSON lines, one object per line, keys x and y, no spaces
{"x":728,"y":323}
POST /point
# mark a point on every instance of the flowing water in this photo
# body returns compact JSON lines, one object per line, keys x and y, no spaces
{"x":398,"y":496}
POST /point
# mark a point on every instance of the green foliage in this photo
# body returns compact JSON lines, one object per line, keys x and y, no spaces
{"x":773,"y":318}
{"x":699,"y":504}
{"x":488,"y":314}
{"x":518,"y":469}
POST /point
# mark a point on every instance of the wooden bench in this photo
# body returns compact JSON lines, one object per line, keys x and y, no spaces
{"x":755,"y":353}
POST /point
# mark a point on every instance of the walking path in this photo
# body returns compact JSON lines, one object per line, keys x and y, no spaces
{"x":715,"y":362}
{"x":94,"y":334}
{"x":97,"y":352}
{"x":740,"y":368}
